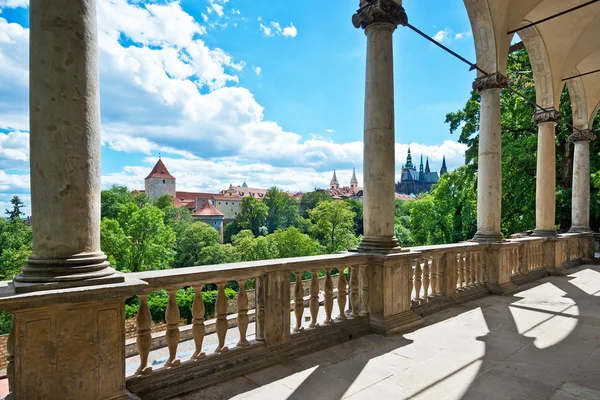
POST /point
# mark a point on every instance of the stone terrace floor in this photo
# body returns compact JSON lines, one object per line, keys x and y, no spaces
{"x":541,"y":343}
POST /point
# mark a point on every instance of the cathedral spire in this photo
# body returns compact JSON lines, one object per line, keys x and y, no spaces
{"x":334,"y":184}
{"x":353,"y":181}
{"x":409,"y":163}
{"x":421,"y":165}
{"x":444,"y":168}
{"x":427,"y":170}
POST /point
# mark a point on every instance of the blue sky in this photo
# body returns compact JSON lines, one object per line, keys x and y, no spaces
{"x":269,"y":91}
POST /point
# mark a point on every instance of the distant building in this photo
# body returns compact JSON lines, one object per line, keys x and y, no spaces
{"x":211,"y":216}
{"x":413,"y":182}
{"x":338,"y":192}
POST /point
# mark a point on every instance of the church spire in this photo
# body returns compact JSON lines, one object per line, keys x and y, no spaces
{"x":421,"y":165}
{"x":409,"y":163}
{"x":427,"y":170}
{"x":444,"y":168}
{"x":334,"y":184}
{"x":353,"y":181}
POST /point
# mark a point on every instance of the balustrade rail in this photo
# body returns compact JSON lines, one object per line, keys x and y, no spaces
{"x":292,"y":318}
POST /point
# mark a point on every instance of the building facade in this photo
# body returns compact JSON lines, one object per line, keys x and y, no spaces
{"x":413,"y":182}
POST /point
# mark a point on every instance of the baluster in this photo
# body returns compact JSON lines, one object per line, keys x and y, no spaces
{"x":461,"y":271}
{"x":475,"y":266}
{"x":418,"y":280}
{"x":242,"y":318}
{"x":328,"y":297}
{"x":314,"y":299}
{"x":172,"y":334}
{"x":363,"y":281}
{"x":298,"y":302}
{"x":144,"y":335}
{"x":411,"y":279}
{"x":198,"y":328}
{"x":426,"y":277}
{"x":221,"y":323}
{"x":482,"y":267}
{"x":260,"y":301}
{"x":439,"y":267}
{"x":10,"y":349}
{"x":354,"y":291}
{"x":434,"y":276}
{"x":468,"y":270}
{"x":472,"y":269}
{"x":342,"y":293}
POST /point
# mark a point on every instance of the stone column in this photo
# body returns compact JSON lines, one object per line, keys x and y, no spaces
{"x":379,"y":19}
{"x":545,"y":193}
{"x":580,"y":208}
{"x":65,"y":148}
{"x":489,"y":175}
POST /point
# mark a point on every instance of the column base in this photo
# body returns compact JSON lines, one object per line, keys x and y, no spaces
{"x":392,"y":324}
{"x":85,"y":269}
{"x":545,"y":233}
{"x":580,"y":229}
{"x":379,"y":244}
{"x":487,"y":237}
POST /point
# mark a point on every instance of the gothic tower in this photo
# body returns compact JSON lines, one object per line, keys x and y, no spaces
{"x":444,"y":169}
{"x":159,"y":182}
{"x":334,"y":184}
{"x":421,"y":172}
{"x":409,"y":163}
{"x":427,"y":170}
{"x":353,"y":181}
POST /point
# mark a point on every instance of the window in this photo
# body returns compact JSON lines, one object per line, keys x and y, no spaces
{"x":164,"y":181}
{"x":225,"y":203}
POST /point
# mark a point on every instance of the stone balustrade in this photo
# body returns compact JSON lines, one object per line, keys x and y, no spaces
{"x":382,"y":293}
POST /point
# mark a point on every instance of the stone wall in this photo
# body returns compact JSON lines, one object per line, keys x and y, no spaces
{"x":3,"y":351}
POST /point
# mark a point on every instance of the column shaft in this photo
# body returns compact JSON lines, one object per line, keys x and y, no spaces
{"x":489,"y":174}
{"x":580,"y":218}
{"x":64,"y":144}
{"x":545,"y":193}
{"x":379,"y":18}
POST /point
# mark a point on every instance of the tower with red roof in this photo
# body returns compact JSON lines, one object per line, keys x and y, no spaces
{"x":160,"y":182}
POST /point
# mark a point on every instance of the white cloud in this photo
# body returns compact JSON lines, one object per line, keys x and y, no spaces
{"x":328,"y":130}
{"x":447,"y":36}
{"x":266,"y":30}
{"x":289,"y":31}
{"x":174,"y":94}
{"x":13,"y":3}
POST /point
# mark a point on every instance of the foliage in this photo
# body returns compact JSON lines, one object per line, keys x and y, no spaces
{"x":283,"y":209}
{"x":333,"y":226}
{"x":15,"y":246}
{"x":230,"y":230}
{"x":291,"y":242}
{"x":357,"y":208}
{"x":253,"y":248}
{"x":16,"y":212}
{"x":310,"y":200}
{"x":253,"y":214}
{"x":5,"y":322}
{"x":219,"y":254}
{"x":138,"y":240}
{"x":113,"y":199}
{"x":191,"y":241}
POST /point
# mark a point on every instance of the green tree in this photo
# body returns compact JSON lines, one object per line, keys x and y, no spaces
{"x":219,"y":254}
{"x":283,"y":209}
{"x":138,"y":240}
{"x":113,"y":199}
{"x":15,"y":246}
{"x":230,"y":230}
{"x":16,"y":212}
{"x":291,"y":242}
{"x":310,"y":200}
{"x":333,"y":226}
{"x":253,"y":214}
{"x":357,"y":208}
{"x":191,"y":241}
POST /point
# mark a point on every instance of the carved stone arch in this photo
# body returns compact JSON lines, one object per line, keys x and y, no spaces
{"x":484,"y":36}
{"x":578,"y":101}
{"x":540,"y":64}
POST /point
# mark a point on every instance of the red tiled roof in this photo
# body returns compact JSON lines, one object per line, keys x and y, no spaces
{"x":208,"y":211}
{"x":226,"y":198}
{"x":160,"y":171}
{"x":192,"y":196}
{"x":404,"y":197}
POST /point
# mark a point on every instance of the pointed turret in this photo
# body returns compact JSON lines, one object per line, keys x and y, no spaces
{"x":444,"y":168}
{"x":421,"y":172}
{"x":353,"y":181}
{"x":160,"y":182}
{"x":409,"y":163}
{"x":244,"y":185}
{"x":427,"y":170}
{"x":334,"y":184}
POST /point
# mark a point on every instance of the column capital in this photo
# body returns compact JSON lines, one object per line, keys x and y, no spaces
{"x":492,"y":81}
{"x":379,"y":11}
{"x":544,"y":116}
{"x":582,"y":135}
